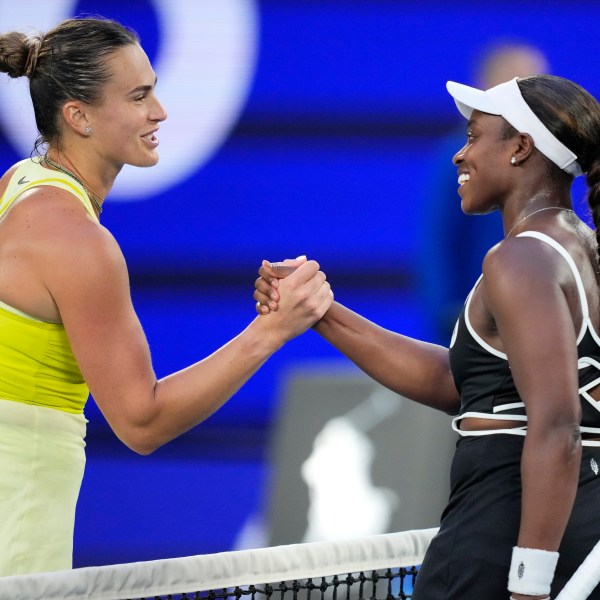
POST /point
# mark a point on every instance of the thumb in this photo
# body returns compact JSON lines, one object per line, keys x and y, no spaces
{"x":288,"y":266}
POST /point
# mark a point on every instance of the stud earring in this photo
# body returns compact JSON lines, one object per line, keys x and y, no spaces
{"x":513,"y":161}
{"x":88,"y":130}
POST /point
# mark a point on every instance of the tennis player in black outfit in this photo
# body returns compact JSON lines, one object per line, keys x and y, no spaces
{"x":523,"y":368}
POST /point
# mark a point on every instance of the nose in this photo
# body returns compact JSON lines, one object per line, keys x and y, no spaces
{"x":459,"y":156}
{"x":158,"y":113}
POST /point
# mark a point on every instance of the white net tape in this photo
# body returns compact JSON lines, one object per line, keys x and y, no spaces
{"x":222,"y":570}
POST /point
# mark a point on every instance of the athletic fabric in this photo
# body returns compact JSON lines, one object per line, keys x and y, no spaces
{"x":470,"y":556}
{"x":484,"y":380}
{"x":42,"y":427}
{"x":37,"y":365}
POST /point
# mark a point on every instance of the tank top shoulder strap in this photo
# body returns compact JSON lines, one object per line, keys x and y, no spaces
{"x":30,"y":174}
{"x":581,"y":289}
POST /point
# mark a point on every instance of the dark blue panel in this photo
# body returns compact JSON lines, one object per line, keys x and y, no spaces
{"x":339,"y":203}
{"x":133,"y":508}
{"x":370,"y":58}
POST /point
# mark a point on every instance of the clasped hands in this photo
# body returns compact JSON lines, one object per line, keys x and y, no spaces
{"x":266,"y":292}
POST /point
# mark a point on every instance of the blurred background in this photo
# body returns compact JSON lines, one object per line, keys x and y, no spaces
{"x":317,"y":127}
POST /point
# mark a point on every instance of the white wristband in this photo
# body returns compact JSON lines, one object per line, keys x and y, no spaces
{"x":531,"y":571}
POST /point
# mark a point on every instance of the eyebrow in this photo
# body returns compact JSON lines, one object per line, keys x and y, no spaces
{"x":143,"y":88}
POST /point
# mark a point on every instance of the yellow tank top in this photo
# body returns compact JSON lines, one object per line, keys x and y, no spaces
{"x":37,"y":365}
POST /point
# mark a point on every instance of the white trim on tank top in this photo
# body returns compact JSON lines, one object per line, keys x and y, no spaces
{"x":585,"y":322}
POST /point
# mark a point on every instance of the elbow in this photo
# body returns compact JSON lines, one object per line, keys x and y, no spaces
{"x":452,"y":405}
{"x":141,"y":440}
{"x":142,"y":450}
{"x":565,"y":432}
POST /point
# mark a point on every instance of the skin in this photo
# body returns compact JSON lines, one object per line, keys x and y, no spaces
{"x":526,"y":286}
{"x":58,"y":264}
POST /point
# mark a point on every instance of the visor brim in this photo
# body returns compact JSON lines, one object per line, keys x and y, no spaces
{"x":469,"y":99}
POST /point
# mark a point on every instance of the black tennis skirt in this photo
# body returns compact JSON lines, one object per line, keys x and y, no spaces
{"x":470,"y":557}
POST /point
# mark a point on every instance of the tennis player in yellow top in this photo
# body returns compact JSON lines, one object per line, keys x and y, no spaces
{"x":67,"y":324}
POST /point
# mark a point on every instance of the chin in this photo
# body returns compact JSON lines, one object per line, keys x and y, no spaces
{"x":148,"y":161}
{"x":477,"y":210}
{"x":468,"y":210}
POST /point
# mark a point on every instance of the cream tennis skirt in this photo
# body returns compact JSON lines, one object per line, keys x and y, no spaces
{"x":42,"y":459}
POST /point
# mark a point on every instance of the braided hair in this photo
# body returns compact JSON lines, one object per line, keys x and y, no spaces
{"x":573,"y":116}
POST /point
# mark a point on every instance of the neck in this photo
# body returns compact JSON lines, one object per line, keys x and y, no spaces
{"x":95,"y":199}
{"x":540,"y":193}
{"x":86,"y":168}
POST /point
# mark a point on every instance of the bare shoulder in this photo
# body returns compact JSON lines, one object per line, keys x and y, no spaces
{"x":52,"y":212}
{"x":518,"y":271}
{"x":520,"y":259}
{"x":56,"y":230}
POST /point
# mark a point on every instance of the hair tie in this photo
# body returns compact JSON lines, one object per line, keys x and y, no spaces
{"x":35,"y":45}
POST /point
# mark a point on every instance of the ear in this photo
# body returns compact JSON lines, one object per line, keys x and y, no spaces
{"x":76,"y":116}
{"x":523,"y":147}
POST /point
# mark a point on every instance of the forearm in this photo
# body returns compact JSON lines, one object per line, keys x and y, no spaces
{"x":549,"y":456}
{"x":184,"y":399}
{"x":417,"y":370}
{"x":146,"y":413}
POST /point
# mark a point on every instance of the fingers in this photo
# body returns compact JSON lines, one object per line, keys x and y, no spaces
{"x":262,"y":309}
{"x":311,"y":292}
{"x":271,"y":271}
{"x":281,"y":270}
{"x":268,"y":273}
{"x":304,"y":274}
{"x":325,"y":296}
{"x":262,"y":286}
{"x":266,"y":297}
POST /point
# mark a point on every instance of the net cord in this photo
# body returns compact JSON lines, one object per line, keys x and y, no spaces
{"x":222,"y":570}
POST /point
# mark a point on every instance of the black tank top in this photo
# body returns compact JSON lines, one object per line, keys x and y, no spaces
{"x":483,"y":377}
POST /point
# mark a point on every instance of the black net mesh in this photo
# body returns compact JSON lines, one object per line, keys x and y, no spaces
{"x":388,"y":584}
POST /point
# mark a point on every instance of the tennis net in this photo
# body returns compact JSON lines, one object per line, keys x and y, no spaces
{"x":376,"y":567}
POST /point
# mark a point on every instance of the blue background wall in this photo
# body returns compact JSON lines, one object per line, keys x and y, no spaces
{"x":329,"y":157}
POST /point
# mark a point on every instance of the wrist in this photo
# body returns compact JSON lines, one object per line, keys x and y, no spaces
{"x":321,"y":325}
{"x":531,"y":571}
{"x":266,"y":337}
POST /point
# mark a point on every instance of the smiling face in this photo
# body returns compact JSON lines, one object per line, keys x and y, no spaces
{"x":484,"y":168}
{"x":126,"y":121}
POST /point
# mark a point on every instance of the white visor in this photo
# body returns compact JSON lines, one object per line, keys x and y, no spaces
{"x":506,"y":101}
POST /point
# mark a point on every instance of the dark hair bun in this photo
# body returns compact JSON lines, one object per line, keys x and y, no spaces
{"x":14,"y":53}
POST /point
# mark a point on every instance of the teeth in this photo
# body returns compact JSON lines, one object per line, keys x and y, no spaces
{"x":463,"y":178}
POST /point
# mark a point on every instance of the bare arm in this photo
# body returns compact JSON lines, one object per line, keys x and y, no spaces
{"x":417,"y":370}
{"x":86,"y":275}
{"x":524,"y":290}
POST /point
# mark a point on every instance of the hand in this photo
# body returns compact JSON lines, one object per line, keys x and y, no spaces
{"x":303,"y":297}
{"x":266,"y":286}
